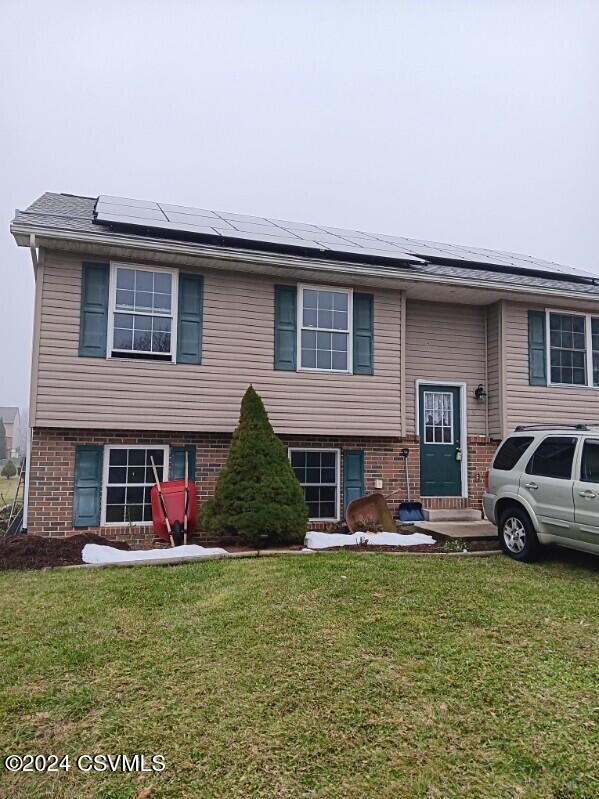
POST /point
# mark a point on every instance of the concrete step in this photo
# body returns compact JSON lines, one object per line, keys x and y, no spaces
{"x":473,"y":530}
{"x":452,"y":515}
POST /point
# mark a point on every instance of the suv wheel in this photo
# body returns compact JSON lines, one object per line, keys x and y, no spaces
{"x":517,"y":535}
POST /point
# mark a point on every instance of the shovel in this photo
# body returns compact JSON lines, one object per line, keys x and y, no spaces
{"x":409,"y":510}
{"x":186,"y":496}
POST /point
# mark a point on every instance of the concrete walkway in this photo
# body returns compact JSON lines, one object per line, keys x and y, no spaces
{"x":478,"y":529}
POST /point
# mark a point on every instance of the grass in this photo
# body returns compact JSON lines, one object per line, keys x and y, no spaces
{"x":8,"y":489}
{"x":329,"y":676}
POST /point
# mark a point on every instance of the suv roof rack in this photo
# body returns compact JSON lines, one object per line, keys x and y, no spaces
{"x":523,"y":427}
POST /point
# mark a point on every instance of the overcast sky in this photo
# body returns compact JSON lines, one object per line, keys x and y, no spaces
{"x":467,"y":122}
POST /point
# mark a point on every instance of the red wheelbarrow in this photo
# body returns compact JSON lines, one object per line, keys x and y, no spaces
{"x":174,"y":507}
{"x":371,"y":512}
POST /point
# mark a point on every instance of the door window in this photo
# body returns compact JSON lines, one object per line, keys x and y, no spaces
{"x":553,"y":458}
{"x":589,"y":467}
{"x":438,"y":417}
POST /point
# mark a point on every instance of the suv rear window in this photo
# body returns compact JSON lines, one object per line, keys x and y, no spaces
{"x":553,"y":458}
{"x":511,"y":451}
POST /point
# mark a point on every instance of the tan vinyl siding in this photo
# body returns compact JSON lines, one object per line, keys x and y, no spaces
{"x":446,"y":343}
{"x":526,"y":404}
{"x":494,"y":373}
{"x":35,"y":345}
{"x":237,"y":350}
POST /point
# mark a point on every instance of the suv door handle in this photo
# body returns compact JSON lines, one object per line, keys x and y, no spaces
{"x":532,"y":486}
{"x":587,"y":494}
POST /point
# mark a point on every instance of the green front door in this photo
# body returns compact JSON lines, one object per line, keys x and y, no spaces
{"x":440,"y":441}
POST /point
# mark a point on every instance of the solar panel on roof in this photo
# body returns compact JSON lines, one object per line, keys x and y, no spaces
{"x":192,"y":219}
{"x":295,"y":225}
{"x":137,"y":211}
{"x":174,"y":227}
{"x":222,"y":227}
{"x":185,"y":209}
{"x":107,"y":198}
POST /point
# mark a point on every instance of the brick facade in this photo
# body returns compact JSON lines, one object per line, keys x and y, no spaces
{"x":52,"y":467}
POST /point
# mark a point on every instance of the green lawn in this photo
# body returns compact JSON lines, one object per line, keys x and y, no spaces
{"x":8,"y":489}
{"x":345,"y":675}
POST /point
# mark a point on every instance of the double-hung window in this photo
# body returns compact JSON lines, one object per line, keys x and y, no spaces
{"x":128,"y":478}
{"x":595,"y":349}
{"x":317,"y":471}
{"x":573,"y":344}
{"x":568,"y":348}
{"x":324,"y":324}
{"x":143,"y":313}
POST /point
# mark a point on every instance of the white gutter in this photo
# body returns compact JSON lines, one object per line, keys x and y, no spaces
{"x":280,"y":259}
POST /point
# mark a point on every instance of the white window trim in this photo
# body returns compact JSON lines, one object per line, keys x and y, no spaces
{"x":588,"y":343}
{"x":463,"y":423}
{"x":337,"y":478}
{"x":114,"y":265}
{"x":107,"y":449}
{"x":350,"y":325}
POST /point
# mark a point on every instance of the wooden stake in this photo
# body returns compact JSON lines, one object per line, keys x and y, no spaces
{"x":162,"y":502}
{"x":186,"y":496}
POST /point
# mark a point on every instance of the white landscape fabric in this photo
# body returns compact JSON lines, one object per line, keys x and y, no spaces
{"x":314,"y":540}
{"x":96,"y":553}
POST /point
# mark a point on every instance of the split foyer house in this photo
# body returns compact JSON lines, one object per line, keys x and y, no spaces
{"x":11,"y":419}
{"x":151,"y":320}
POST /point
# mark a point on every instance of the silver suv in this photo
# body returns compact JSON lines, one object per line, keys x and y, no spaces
{"x":543,"y":488}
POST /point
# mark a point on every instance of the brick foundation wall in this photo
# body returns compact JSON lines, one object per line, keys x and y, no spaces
{"x":53,"y":463}
{"x":480,"y":454}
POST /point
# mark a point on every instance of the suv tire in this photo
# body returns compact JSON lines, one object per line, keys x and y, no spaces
{"x":517,"y":535}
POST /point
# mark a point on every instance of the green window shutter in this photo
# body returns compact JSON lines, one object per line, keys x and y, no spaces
{"x":94,"y":310}
{"x":286,"y":328}
{"x":537,"y":353}
{"x":189,"y":325}
{"x":177,"y":464}
{"x":363,"y":334}
{"x":88,"y":486}
{"x":353,"y":475}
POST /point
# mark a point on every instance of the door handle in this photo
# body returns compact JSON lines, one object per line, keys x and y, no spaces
{"x":587,"y":494}
{"x":531,"y":486}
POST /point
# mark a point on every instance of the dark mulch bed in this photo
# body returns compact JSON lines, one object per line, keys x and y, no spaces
{"x":36,"y":552}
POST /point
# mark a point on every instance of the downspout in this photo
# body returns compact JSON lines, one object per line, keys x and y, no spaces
{"x":487,"y":373}
{"x":26,"y":487}
{"x":402,"y":365}
{"x":33,"y":251}
{"x":35,"y":262}
{"x":502,"y":390}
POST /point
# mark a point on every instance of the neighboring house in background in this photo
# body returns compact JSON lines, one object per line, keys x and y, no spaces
{"x":151,"y":321}
{"x":12,"y":423}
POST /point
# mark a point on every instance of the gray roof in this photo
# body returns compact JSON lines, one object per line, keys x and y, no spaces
{"x":8,"y":414}
{"x":66,"y":213}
